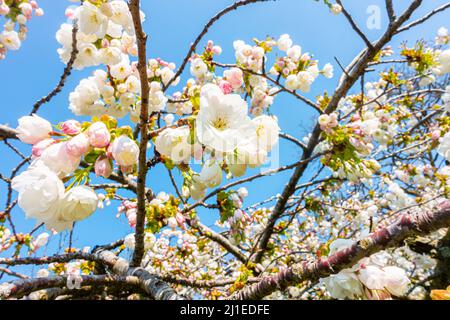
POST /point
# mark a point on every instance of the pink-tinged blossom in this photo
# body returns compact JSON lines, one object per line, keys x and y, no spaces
{"x":130,"y":209}
{"x":436,"y":134}
{"x":26,"y":9}
{"x":39,"y":147}
{"x":226,"y":87}
{"x":71,"y":127}
{"x":59,"y":160}
{"x":4,"y":9}
{"x":78,"y":145}
{"x":99,"y":135}
{"x":103,"y":167}
{"x":180,"y":219}
{"x":41,"y":240}
{"x":234,"y":76}
{"x":33,"y":129}
{"x":39,"y":12}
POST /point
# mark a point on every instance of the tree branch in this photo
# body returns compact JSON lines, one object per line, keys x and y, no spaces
{"x":408,"y":225}
{"x":390,"y":10}
{"x":7,"y":133}
{"x":354,"y":25}
{"x":19,"y":288}
{"x":354,"y":71}
{"x":424,"y":18}
{"x":142,"y":164}
{"x":66,"y":72}
{"x":61,"y":258}
{"x":205,"y":31}
{"x":151,"y":284}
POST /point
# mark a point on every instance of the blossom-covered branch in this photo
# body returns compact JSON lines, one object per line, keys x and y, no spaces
{"x":407,"y":225}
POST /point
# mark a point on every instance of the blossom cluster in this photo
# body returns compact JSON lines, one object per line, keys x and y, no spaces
{"x":17,"y":14}
{"x":382,"y":150}
{"x":42,"y":194}
{"x":371,"y":278}
{"x":105,"y":34}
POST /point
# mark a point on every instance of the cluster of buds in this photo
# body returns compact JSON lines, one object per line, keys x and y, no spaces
{"x":298,"y":69}
{"x":202,"y":65}
{"x":230,"y":204}
{"x":98,"y":142}
{"x":354,"y":171}
{"x":161,"y":211}
{"x":130,"y":209}
{"x":252,"y":57}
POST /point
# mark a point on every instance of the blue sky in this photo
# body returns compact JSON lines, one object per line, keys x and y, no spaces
{"x":31,"y":72}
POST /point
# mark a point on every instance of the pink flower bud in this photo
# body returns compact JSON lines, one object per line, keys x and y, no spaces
{"x":436,"y":134}
{"x":99,"y":135}
{"x":39,"y":12}
{"x":105,"y":43}
{"x":162,"y":63}
{"x":71,"y":127}
{"x":131,"y":215}
{"x":217,"y":50}
{"x":39,"y":147}
{"x":78,"y":145}
{"x":103,"y":167}
{"x":34,"y":4}
{"x":226,"y":87}
{"x":70,"y":13}
{"x":180,"y":219}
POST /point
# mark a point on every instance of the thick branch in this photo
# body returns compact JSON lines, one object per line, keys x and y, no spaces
{"x":408,"y":225}
{"x":151,"y":284}
{"x":142,"y":165}
{"x":390,"y":10}
{"x":19,"y":288}
{"x":61,"y":258}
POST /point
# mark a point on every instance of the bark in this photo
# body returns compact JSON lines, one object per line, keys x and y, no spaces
{"x":143,"y":124}
{"x":151,"y":284}
{"x":20,"y":288}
